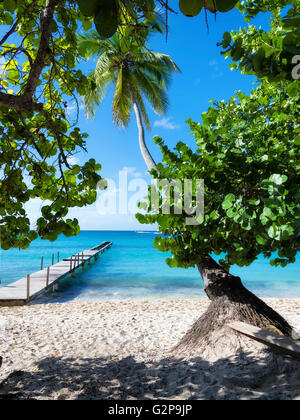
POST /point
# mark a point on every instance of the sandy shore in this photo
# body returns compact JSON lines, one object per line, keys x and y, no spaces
{"x":120,"y":350}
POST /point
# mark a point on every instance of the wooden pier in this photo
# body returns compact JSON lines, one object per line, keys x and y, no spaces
{"x":28,"y":288}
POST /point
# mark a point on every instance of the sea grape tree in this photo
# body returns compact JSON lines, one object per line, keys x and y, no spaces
{"x":39,"y":89}
{"x":248,"y":155}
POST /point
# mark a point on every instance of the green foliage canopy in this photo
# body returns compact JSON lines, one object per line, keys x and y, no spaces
{"x":38,"y":139}
{"x":39,"y":84}
{"x":248,"y":156}
{"x":266,"y":53}
{"x":39,"y":78}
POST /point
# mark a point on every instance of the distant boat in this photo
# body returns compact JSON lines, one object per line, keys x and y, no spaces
{"x":153,"y":232}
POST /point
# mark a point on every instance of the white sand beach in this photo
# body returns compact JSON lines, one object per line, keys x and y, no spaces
{"x":121,"y":350}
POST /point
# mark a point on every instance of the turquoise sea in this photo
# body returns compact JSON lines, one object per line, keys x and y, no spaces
{"x":133,"y":269}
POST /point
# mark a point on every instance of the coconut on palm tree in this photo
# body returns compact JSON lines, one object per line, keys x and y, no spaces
{"x":136,"y":73}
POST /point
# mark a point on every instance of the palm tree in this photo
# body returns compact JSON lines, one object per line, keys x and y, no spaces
{"x":136,"y":74}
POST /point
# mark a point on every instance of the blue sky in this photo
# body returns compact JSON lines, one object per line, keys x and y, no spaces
{"x":205,"y":76}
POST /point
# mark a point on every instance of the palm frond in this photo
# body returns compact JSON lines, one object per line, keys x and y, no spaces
{"x":155,"y":94}
{"x":96,"y":92}
{"x":91,"y":44}
{"x":155,"y":65}
{"x":158,"y":59}
{"x":122,"y":102}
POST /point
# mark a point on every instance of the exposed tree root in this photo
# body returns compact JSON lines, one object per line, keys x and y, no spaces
{"x":210,"y":331}
{"x":230,"y":301}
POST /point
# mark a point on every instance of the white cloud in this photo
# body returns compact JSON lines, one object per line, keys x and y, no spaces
{"x":73,"y":107}
{"x":166,"y":123}
{"x":216,"y":69}
{"x":213,"y":63}
{"x":131,"y":171}
{"x":73,"y":160}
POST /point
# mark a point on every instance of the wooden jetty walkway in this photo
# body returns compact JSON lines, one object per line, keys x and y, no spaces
{"x":26,"y":289}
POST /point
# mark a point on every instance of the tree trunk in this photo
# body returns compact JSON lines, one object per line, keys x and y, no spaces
{"x":144,"y":150}
{"x":230,"y":301}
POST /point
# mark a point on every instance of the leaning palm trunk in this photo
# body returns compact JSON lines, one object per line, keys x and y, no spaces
{"x":144,"y":150}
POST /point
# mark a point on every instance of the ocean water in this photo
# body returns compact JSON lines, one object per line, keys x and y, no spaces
{"x":133,"y":269}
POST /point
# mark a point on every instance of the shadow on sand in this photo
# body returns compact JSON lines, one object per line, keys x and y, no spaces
{"x":240,"y":377}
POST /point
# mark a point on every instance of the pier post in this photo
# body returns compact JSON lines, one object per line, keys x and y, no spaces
{"x":28,"y":288}
{"x":72,"y":266}
{"x":42,"y":263}
{"x":52,"y":259}
{"x":48,"y":275}
{"x":58,"y":257}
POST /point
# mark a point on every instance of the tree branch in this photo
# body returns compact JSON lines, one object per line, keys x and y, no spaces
{"x":39,"y":62}
{"x":19,"y":103}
